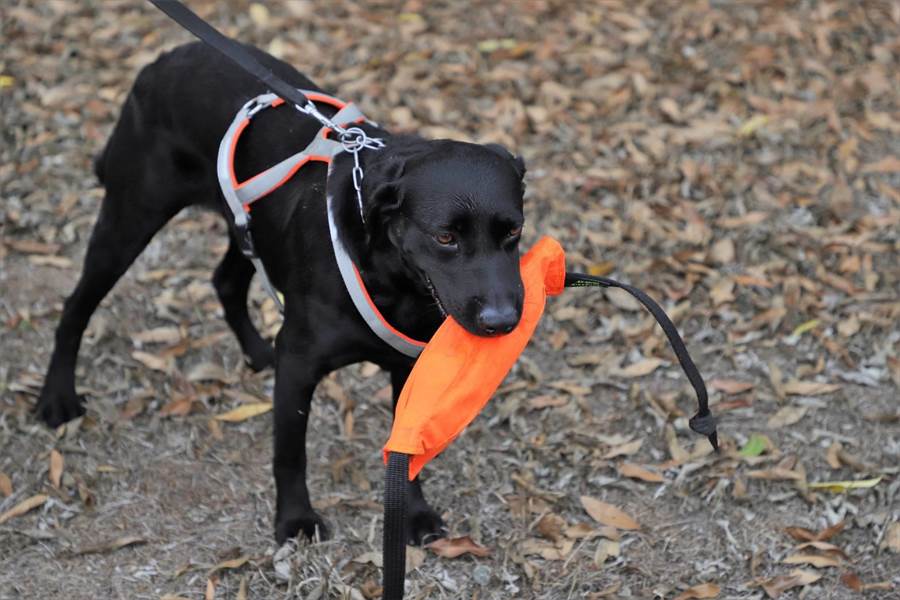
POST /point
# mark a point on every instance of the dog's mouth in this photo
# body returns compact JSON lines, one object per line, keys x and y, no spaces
{"x":434,"y":294}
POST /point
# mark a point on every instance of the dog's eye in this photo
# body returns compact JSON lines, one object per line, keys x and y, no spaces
{"x":514,"y":232}
{"x":445,"y":239}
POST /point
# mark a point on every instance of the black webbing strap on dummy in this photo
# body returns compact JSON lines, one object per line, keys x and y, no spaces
{"x":703,"y":422}
{"x":394,"y":550}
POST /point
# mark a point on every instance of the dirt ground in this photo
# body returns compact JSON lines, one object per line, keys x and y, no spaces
{"x":738,"y":160}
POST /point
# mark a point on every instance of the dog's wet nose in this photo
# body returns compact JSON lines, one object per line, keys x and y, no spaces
{"x":494,"y":320}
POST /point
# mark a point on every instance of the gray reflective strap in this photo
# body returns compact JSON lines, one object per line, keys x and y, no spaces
{"x":223,"y":166}
{"x":268,"y":180}
{"x":241,"y":218}
{"x":271,"y":178}
{"x":358,"y":294}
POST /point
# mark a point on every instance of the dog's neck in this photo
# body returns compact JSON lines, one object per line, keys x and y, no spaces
{"x":399,"y":290}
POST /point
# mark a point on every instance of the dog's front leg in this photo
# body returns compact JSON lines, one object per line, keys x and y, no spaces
{"x":296,"y":375}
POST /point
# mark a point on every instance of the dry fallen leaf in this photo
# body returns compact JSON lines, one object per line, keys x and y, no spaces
{"x":623,"y":300}
{"x":551,"y":527}
{"x":453,"y":547}
{"x":23,"y":507}
{"x":6,"y":488}
{"x":776,"y":586}
{"x":811,"y":559}
{"x":244,"y":412}
{"x":607,"y":514}
{"x":181,"y":406}
{"x":809,"y":388}
{"x":547,"y":401}
{"x":584,"y":530}
{"x":722,"y":291}
{"x":776,"y":474}
{"x":805,"y":535}
{"x":158,"y":335}
{"x":852,"y":581}
{"x":700,"y":591}
{"x":786,"y":415}
{"x":259,"y":14}
{"x":56,"y":467}
{"x":722,"y":252}
{"x":888,"y":164}
{"x":111,"y":545}
{"x":546,"y":550}
{"x":843,"y":486}
{"x":60,"y":262}
{"x":892,"y":537}
{"x":639,"y":368}
{"x":606,"y":549}
{"x":826,"y":547}
{"x":209,"y":372}
{"x":638,"y":472}
{"x":730,"y":386}
{"x":152,"y":361}
{"x":414,"y":558}
{"x":234,"y":563}
{"x":624,"y":449}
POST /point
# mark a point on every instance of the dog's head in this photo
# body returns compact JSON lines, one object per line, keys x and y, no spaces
{"x":454,"y":212}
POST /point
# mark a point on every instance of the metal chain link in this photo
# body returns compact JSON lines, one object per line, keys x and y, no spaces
{"x":353,"y":140}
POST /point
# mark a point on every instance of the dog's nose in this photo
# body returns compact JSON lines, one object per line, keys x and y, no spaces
{"x":494,"y":320}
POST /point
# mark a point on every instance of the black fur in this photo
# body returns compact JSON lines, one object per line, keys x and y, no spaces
{"x":441,"y":234}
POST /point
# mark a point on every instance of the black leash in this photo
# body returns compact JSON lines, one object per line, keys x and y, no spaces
{"x":394,"y":548}
{"x":233,"y":50}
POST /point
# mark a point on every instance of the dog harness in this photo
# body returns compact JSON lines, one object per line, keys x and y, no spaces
{"x":241,"y":195}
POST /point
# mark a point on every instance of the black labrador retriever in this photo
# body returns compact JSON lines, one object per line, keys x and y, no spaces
{"x":440,"y":237}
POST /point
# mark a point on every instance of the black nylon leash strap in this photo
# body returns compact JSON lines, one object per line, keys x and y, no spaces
{"x":394,"y":548}
{"x":703,"y":422}
{"x":233,"y":50}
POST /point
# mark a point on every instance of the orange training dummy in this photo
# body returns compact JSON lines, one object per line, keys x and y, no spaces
{"x":457,"y":373}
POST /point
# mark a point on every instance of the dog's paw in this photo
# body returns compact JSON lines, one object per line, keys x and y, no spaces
{"x":55,"y":408}
{"x":309,"y":524}
{"x":260,"y":357}
{"x":423,"y":524}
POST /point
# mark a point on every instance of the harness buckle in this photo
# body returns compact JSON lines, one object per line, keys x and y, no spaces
{"x":245,"y":239}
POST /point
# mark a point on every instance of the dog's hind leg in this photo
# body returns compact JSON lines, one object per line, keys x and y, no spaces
{"x":423,"y":523}
{"x":124,"y":227}
{"x":232,"y":280}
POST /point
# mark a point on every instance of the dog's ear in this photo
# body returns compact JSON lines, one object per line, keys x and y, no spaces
{"x":517,"y":162}
{"x":385,"y":196}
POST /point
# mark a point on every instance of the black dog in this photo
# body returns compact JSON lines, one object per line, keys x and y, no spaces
{"x":440,"y":236}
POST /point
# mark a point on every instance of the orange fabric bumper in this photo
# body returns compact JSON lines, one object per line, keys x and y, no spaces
{"x":458,"y":372}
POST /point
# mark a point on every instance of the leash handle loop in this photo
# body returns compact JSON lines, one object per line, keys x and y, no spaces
{"x":703,"y":422}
